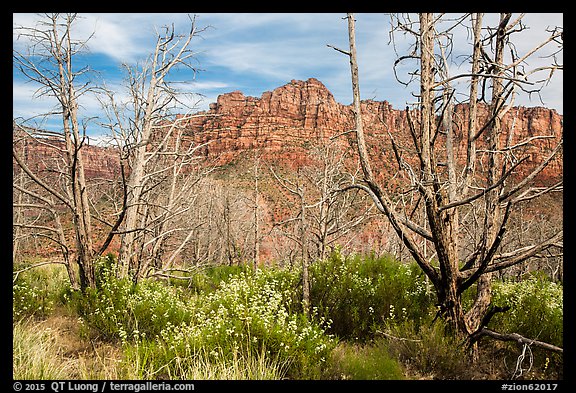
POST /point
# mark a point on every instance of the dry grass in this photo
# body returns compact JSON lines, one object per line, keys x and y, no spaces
{"x":54,"y":349}
{"x":36,"y":355}
{"x":59,"y":348}
{"x":203,"y":366}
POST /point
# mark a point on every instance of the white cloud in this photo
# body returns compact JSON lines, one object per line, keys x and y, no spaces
{"x":114,"y":39}
{"x":124,"y":37}
{"x":26,"y":103}
{"x":238,"y":24}
{"x":209,"y":85}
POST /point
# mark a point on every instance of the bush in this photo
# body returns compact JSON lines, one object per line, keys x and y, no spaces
{"x":119,"y":309}
{"x":363,"y":362}
{"x":208,"y":279}
{"x":37,"y":291}
{"x":251,"y":313}
{"x":358,"y":293}
{"x":536,"y":308}
{"x":169,"y":330}
{"x":536,"y":312}
{"x":428,"y":350}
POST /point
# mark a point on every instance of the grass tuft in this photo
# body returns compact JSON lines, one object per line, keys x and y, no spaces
{"x":35,"y":353}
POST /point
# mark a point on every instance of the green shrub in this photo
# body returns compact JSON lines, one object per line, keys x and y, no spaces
{"x":363,"y":362}
{"x":250,"y":312}
{"x":208,"y":279}
{"x":536,"y":309}
{"x":250,"y":316}
{"x":28,"y":300}
{"x":536,"y":312}
{"x":358,"y":293}
{"x":38,"y":290}
{"x":119,"y":309}
{"x":428,"y":349}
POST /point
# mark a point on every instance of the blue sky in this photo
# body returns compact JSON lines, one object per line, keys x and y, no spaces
{"x":254,"y":53}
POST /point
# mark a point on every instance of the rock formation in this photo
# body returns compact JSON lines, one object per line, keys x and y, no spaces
{"x":47,"y":156}
{"x":283,"y":123}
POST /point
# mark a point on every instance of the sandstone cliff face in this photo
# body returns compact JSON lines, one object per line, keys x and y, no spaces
{"x":282,"y":121}
{"x":47,"y":156}
{"x":285,"y":122}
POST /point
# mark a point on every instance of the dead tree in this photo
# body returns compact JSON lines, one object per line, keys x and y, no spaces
{"x":257,"y":235}
{"x":487,"y":182}
{"x":156,"y":157}
{"x":49,"y":62}
{"x":37,"y":215}
{"x":334,"y":216}
{"x":298,"y":191}
{"x":322,"y":215}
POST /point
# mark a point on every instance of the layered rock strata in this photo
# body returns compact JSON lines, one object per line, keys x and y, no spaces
{"x":284,"y":123}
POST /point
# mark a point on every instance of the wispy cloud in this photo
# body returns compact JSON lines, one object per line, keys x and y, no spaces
{"x":115,"y":39}
{"x":26,"y":103}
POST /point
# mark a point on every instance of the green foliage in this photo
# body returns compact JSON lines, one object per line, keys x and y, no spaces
{"x":536,"y":312}
{"x":429,"y":349}
{"x":29,"y":300}
{"x":209,"y":278}
{"x":536,"y":308}
{"x":248,"y":315}
{"x":250,"y":312}
{"x":233,"y":323}
{"x":38,"y":290}
{"x":358,"y":293}
{"x":119,"y":309}
{"x":364,"y":362}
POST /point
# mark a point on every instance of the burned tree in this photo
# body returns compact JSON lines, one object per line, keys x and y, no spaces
{"x":322,"y":215}
{"x":494,"y":177}
{"x":49,"y":62}
{"x":159,"y":162}
{"x":159,"y":166}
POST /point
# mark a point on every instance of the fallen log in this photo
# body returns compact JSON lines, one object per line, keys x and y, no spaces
{"x":516,"y":337}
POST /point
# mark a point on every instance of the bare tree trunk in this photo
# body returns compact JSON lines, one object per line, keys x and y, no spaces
{"x":17,"y":211}
{"x":81,"y":214}
{"x":301,"y":237}
{"x":128,"y":255}
{"x":45,"y":203}
{"x":152,"y":97}
{"x":443,"y":225}
{"x":493,"y":217}
{"x":304,"y":256}
{"x":256,"y":211}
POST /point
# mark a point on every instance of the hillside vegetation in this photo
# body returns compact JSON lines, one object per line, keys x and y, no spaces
{"x":371,"y":318}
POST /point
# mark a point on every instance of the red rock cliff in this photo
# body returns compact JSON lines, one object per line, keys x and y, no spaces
{"x":282,"y":123}
{"x":285,"y":122}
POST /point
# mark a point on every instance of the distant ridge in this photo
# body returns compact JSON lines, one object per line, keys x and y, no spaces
{"x":285,"y":122}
